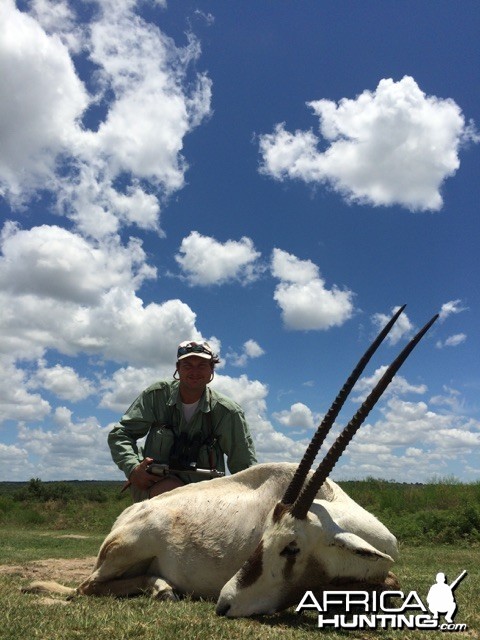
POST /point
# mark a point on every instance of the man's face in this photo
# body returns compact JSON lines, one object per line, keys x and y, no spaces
{"x":194,"y":373}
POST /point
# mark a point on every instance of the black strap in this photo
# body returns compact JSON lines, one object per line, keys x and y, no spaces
{"x":211,"y":439}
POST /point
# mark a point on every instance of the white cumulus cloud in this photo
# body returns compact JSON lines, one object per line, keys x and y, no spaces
{"x":450,"y":308}
{"x":52,"y":262}
{"x":118,"y":169}
{"x":251,"y":349}
{"x":64,"y":382}
{"x":452,"y":341}
{"x":394,"y":145}
{"x":126,"y":383}
{"x":401,"y":329}
{"x":302,"y":295}
{"x":399,"y":385}
{"x":206,"y":261}
{"x":299,"y":416}
{"x":42,"y":101}
{"x":410,"y":442}
{"x":60,"y":291}
{"x":270,"y":445}
{"x":69,"y":450}
{"x":16,"y":400}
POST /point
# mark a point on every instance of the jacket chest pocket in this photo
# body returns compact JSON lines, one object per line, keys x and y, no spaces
{"x":159,"y":443}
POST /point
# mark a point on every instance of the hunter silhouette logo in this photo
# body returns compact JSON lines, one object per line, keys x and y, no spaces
{"x":387,"y":609}
{"x":440,"y":598}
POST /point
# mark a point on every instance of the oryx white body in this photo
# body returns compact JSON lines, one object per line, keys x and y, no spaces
{"x":194,"y":539}
{"x":259,"y":539}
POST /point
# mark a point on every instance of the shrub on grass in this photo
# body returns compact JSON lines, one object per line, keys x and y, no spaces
{"x":439,"y":526}
{"x":30,"y":517}
{"x":6,"y":505}
{"x":39,"y":491}
{"x":96,"y":495}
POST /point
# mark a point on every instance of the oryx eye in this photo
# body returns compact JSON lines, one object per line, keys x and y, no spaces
{"x":290,"y":550}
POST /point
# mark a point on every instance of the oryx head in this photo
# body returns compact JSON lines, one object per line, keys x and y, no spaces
{"x":311,"y":543}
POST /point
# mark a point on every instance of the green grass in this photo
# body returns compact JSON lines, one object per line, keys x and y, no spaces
{"x":24,"y":616}
{"x":34,"y":518}
{"x":22,"y":545}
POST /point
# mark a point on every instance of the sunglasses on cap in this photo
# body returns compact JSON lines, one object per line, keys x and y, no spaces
{"x":203,"y":350}
{"x":193,"y":347}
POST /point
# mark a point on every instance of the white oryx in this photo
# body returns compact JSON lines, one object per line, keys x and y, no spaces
{"x":257,"y":540}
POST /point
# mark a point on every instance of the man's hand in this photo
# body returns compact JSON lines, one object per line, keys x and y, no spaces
{"x":140,"y":477}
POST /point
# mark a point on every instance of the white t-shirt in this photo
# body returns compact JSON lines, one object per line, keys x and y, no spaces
{"x":189,"y":410}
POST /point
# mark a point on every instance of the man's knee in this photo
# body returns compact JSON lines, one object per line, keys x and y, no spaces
{"x":166,"y":484}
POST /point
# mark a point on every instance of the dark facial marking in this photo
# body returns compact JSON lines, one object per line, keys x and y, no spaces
{"x":290,"y":554}
{"x":291,"y":550}
{"x":252,"y":569}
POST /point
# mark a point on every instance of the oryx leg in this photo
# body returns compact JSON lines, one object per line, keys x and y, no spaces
{"x":153,"y":586}
{"x":119,"y":571}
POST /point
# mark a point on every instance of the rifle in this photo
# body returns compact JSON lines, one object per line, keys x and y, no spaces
{"x":159,"y":469}
{"x":457,"y":580}
{"x":163,"y":470}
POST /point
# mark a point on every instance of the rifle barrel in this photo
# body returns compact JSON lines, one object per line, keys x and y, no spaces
{"x":458,"y":579}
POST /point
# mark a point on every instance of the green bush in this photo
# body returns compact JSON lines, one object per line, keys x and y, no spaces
{"x":38,"y":491}
{"x":90,"y":506}
{"x":443,"y":512}
{"x":31,"y":516}
{"x":437,"y":526}
{"x":7,"y":505}
{"x":440,"y":513}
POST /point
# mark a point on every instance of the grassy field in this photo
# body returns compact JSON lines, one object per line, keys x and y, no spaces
{"x":47,"y":521}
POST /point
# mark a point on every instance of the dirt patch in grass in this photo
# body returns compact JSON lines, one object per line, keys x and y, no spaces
{"x":73,"y":536}
{"x":71,"y":570}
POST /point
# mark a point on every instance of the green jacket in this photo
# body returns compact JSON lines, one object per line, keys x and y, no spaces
{"x":161,"y":404}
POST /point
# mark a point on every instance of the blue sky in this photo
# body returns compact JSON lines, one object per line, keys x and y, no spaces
{"x":274,"y":177}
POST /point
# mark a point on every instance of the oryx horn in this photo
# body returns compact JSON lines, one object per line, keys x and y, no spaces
{"x":313,"y":448}
{"x":304,"y":501}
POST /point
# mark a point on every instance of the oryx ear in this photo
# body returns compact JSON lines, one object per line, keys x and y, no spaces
{"x":356,"y":545}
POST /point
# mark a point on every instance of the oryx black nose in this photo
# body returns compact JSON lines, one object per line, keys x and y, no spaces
{"x":222,"y":609}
